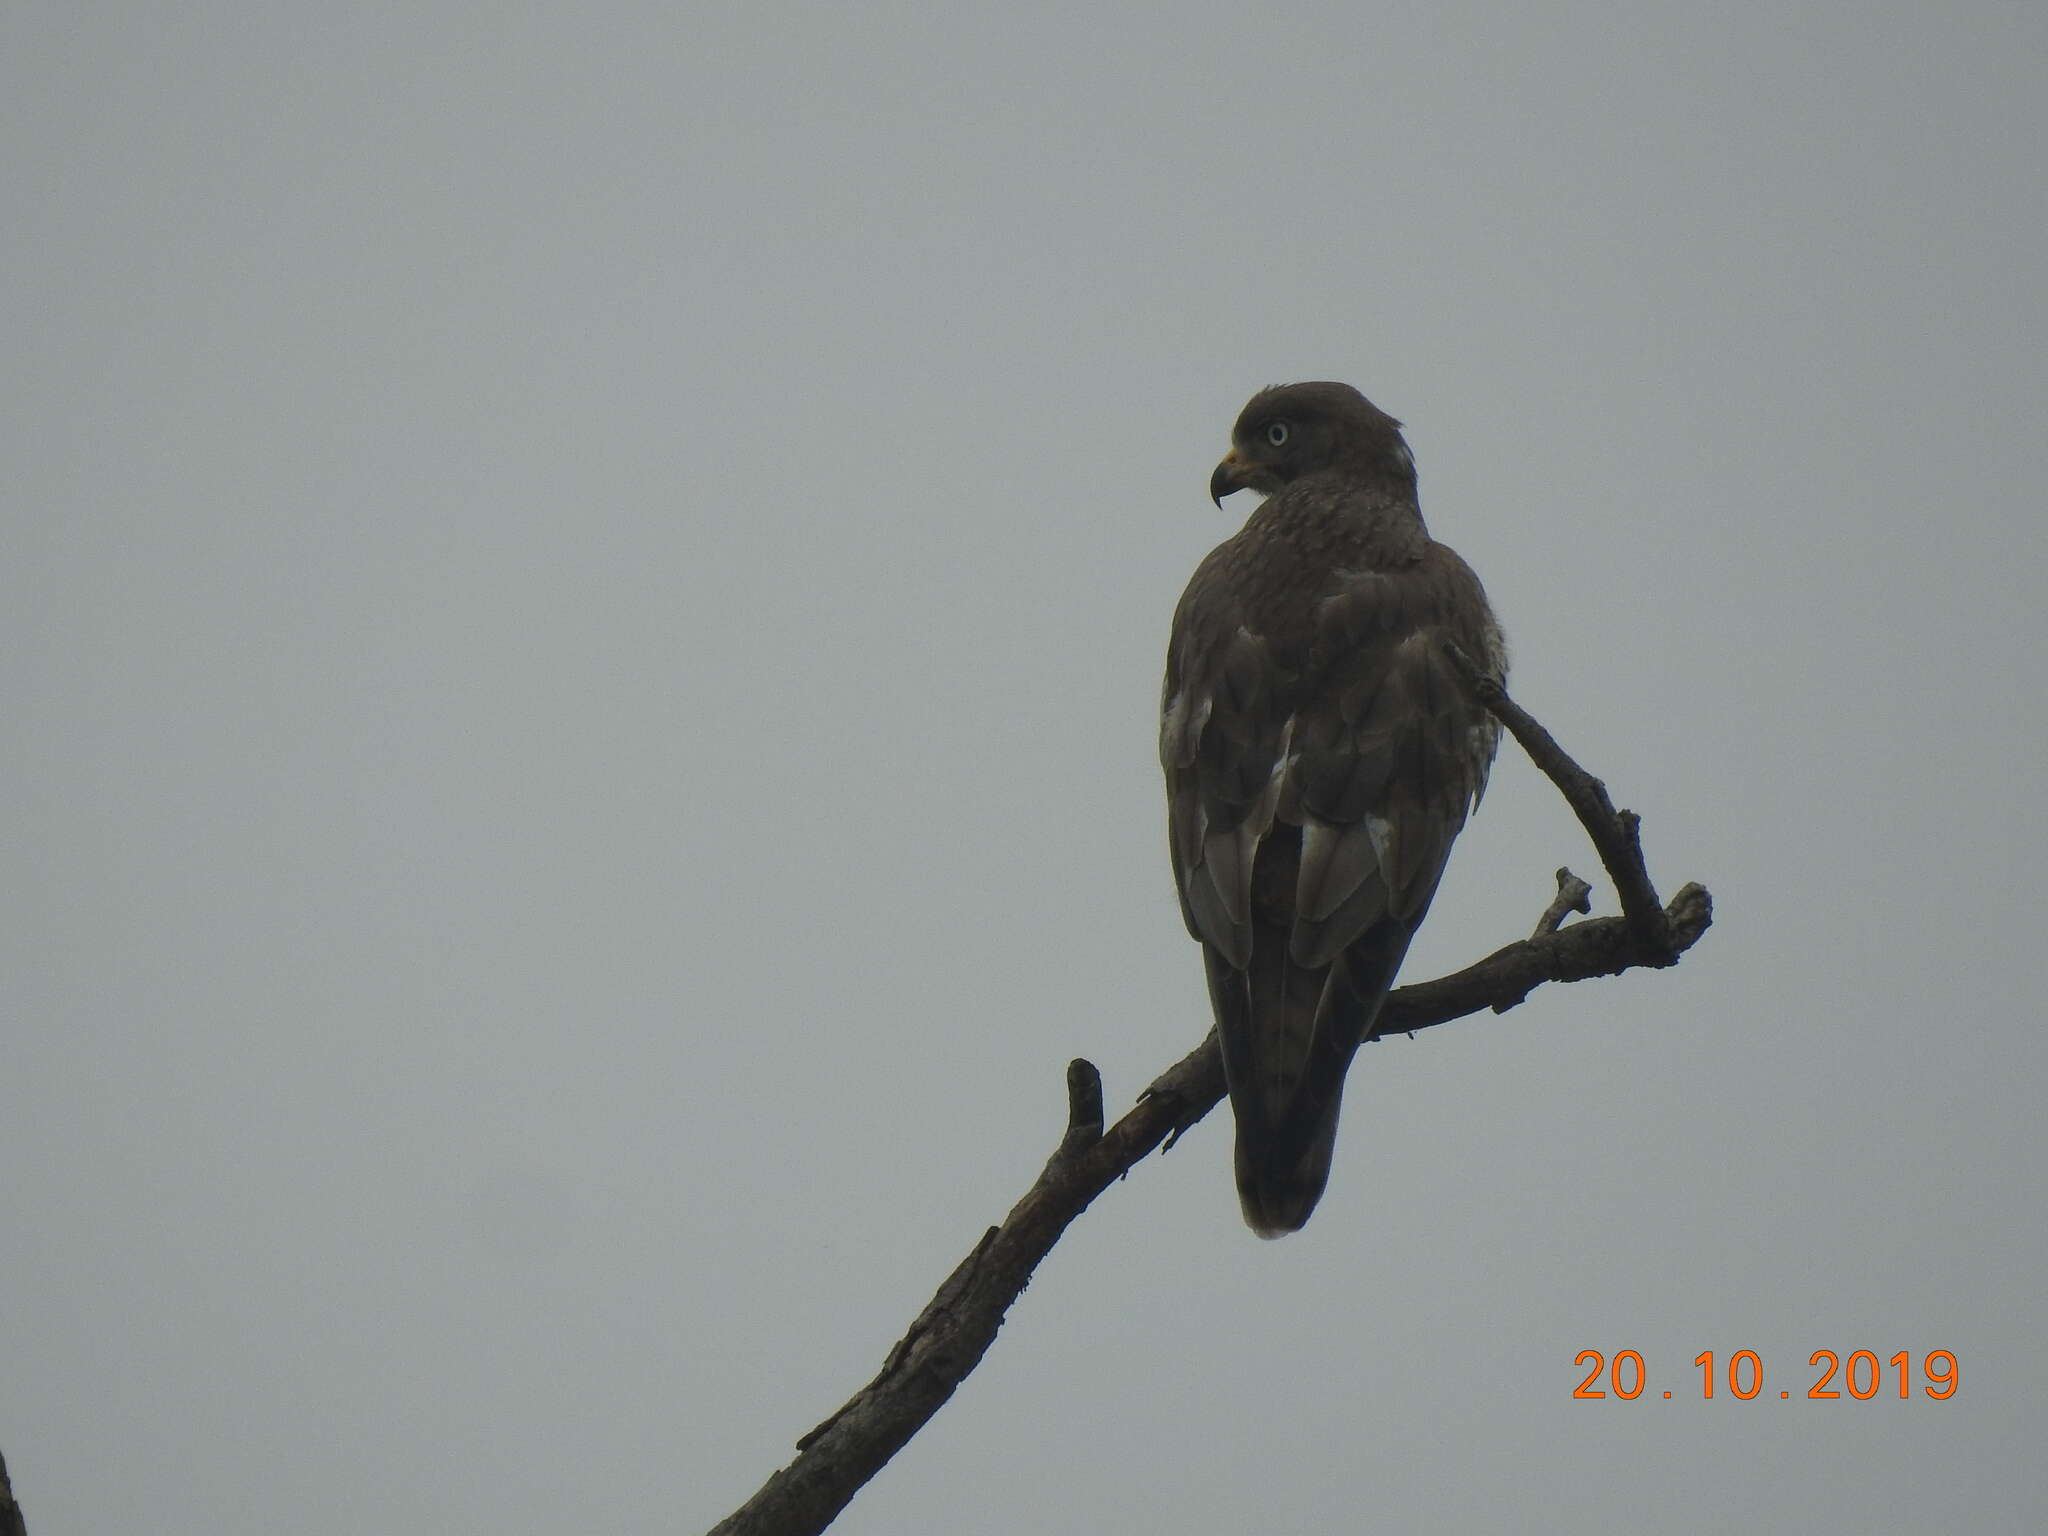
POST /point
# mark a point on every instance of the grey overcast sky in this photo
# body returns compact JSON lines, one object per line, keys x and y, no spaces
{"x":581,"y":612}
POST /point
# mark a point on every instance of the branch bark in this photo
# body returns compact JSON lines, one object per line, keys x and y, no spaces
{"x":11,"y":1522}
{"x":948,"y":1338}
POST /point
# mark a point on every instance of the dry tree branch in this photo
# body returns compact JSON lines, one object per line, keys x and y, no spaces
{"x":956,"y":1327}
{"x":1615,"y":834}
{"x":11,"y":1522}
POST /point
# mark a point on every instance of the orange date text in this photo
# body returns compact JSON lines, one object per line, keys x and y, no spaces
{"x":1860,"y":1375}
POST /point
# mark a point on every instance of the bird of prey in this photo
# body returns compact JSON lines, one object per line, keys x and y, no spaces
{"x":1321,"y":754}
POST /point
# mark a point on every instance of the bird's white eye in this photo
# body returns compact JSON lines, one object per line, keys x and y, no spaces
{"x":1277,"y":434}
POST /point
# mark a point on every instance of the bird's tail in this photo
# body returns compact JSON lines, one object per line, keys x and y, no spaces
{"x":1288,"y":1033}
{"x":1277,"y":1192}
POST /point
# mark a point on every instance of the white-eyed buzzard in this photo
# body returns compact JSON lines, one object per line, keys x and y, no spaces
{"x":1321,"y":756}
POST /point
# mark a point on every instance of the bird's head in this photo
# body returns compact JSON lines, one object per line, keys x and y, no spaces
{"x":1292,"y":430}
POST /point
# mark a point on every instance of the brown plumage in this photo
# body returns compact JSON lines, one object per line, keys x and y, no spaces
{"x":1320,"y":757}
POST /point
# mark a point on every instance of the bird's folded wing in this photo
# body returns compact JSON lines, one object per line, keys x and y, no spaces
{"x":1379,"y":763}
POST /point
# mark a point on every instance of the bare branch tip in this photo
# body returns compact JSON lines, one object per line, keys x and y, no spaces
{"x":1084,"y":1101}
{"x":1690,"y":914}
{"x":1573,"y":895}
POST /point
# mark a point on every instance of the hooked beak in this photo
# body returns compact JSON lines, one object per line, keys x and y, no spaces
{"x":1233,"y":474}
